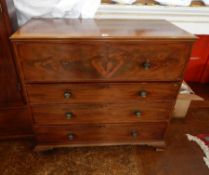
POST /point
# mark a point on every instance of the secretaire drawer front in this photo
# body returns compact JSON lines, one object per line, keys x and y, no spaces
{"x":100,"y":133}
{"x":101,"y":61}
{"x":100,"y":113}
{"x":100,"y":92}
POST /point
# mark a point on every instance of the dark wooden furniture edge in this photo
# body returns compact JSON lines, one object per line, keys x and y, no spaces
{"x":158,"y":144}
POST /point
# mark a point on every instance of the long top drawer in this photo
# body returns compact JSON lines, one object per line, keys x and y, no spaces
{"x":102,"y":61}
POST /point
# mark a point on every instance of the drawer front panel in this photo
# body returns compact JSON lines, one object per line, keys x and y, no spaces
{"x":103,"y":133}
{"x":101,"y":92}
{"x":100,"y":113}
{"x":102,"y":61}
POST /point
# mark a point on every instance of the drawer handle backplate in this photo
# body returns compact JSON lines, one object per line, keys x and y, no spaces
{"x":67,"y":94}
{"x":146,"y":65}
{"x":137,"y":113}
{"x":71,"y":136}
{"x":143,"y":93}
{"x":134,"y":134}
{"x":69,"y":115}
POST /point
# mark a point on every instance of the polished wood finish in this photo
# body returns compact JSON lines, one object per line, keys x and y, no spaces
{"x":101,"y":92}
{"x":15,"y":118}
{"x":15,"y":123}
{"x":100,"y":82}
{"x":103,"y":61}
{"x":79,"y":29}
{"x":100,"y":133}
{"x":157,"y":144}
{"x":10,"y":16}
{"x":10,"y":94}
{"x":100,"y":113}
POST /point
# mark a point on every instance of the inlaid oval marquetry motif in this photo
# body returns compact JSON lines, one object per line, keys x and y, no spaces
{"x":102,"y":61}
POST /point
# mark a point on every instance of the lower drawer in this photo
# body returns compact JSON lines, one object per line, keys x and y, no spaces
{"x":100,"y":133}
{"x":100,"y":113}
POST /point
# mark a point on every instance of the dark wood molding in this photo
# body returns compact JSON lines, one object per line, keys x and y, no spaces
{"x":15,"y":117}
{"x":9,"y":13}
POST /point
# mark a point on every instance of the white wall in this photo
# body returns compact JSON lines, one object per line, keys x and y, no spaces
{"x":192,"y":19}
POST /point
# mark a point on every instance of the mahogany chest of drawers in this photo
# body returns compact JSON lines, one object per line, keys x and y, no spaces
{"x":100,"y":82}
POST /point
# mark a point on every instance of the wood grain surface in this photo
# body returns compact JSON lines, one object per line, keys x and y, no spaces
{"x":100,"y":113}
{"x":100,"y":133}
{"x":101,"y":92}
{"x":103,"y":61}
{"x":101,"y":82}
{"x":100,"y":28}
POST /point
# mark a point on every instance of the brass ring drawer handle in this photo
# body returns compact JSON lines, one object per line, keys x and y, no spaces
{"x":138,"y":113}
{"x":69,"y":115}
{"x":67,"y":94}
{"x":134,"y":134}
{"x":71,"y":136}
{"x":143,"y":93}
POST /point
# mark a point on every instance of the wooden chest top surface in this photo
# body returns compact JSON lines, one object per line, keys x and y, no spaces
{"x":100,"y":29}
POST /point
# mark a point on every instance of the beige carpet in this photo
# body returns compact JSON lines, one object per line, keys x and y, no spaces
{"x":17,"y":158}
